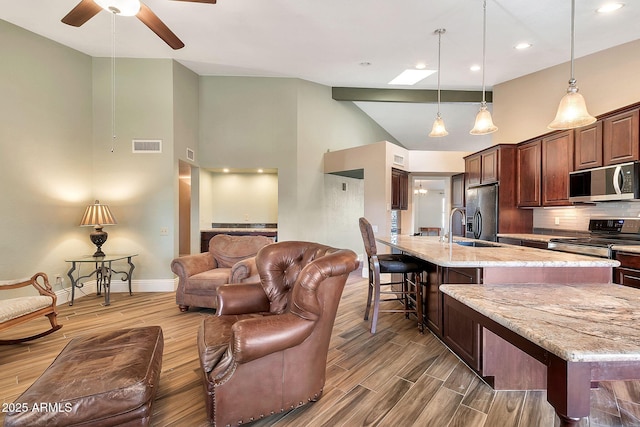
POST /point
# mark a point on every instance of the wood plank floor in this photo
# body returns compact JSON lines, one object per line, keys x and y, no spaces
{"x":396,"y":377}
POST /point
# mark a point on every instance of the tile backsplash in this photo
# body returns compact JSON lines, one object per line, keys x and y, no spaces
{"x":577,"y":217}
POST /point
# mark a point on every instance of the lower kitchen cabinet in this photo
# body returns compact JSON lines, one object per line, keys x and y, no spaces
{"x":628,"y":273}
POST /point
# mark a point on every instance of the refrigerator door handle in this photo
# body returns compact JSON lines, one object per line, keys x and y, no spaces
{"x":477,"y":225}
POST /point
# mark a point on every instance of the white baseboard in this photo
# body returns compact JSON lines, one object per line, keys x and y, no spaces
{"x":118,"y":286}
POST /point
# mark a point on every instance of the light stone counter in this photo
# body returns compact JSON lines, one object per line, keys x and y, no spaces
{"x":635,"y":249}
{"x":431,"y":249}
{"x":578,"y":323}
{"x":534,"y":237}
{"x":240,"y":230}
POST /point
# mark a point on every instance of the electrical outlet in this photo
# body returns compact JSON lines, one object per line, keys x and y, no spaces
{"x":164,"y":231}
{"x":59,"y":279}
{"x":246,"y":217}
{"x":556,"y":220}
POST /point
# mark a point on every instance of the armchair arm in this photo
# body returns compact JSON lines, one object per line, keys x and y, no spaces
{"x":242,"y":298}
{"x":243,"y":270}
{"x":258,"y":337}
{"x":40,"y":281}
{"x":189,"y":265}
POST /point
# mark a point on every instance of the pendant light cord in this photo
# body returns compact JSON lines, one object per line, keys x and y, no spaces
{"x":113,"y":80}
{"x":440,"y":31}
{"x":573,"y":31}
{"x":484,"y":47}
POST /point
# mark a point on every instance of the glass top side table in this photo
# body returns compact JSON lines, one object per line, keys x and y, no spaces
{"x":102,"y":269}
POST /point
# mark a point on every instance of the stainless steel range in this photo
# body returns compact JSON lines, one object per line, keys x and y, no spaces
{"x":604,"y":233}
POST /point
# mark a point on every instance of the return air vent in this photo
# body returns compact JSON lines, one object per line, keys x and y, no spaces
{"x":191,"y":155}
{"x":398,"y":160}
{"x":146,"y":146}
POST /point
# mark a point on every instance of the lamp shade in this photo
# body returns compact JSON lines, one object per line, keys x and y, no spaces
{"x":572,"y":111}
{"x":438,"y":128}
{"x":484,"y":123}
{"x":97,"y":214}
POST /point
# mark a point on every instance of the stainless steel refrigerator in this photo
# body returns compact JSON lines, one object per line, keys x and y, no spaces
{"x":482,"y":213}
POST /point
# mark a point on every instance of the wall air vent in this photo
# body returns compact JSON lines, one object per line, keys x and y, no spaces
{"x":191,"y":155}
{"x":398,"y":160}
{"x":146,"y":146}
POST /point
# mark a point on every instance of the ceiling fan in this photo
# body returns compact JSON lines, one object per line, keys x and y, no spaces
{"x":87,"y":9}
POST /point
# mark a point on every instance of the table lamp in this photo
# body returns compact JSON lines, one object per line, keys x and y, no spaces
{"x":98,"y":215}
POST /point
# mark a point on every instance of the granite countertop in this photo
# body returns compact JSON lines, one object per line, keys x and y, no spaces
{"x":627,"y":248}
{"x":533,"y":237}
{"x":578,"y":323}
{"x":431,"y":249}
{"x":236,"y":230}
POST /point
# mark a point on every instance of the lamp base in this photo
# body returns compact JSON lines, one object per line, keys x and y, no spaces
{"x":98,"y":237}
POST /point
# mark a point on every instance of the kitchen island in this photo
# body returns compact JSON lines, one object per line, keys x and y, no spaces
{"x":492,"y":264}
{"x":580,"y":333}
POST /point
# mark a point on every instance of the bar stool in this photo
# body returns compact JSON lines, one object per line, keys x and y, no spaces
{"x":411,"y":290}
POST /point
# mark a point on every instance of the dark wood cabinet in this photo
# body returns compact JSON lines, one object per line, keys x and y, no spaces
{"x":529,"y":159}
{"x":620,"y":137}
{"x":628,"y":273}
{"x":472,"y":168}
{"x":399,"y":189}
{"x":489,"y":166}
{"x":457,"y":191}
{"x":588,"y":146}
{"x":459,"y":332}
{"x":557,"y":162}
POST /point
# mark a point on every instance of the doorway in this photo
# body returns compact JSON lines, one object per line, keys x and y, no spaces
{"x":430,"y":205}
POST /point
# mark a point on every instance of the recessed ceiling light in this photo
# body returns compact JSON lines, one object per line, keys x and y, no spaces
{"x":225,"y":170}
{"x":523,"y":45}
{"x":411,"y":77}
{"x":260,"y":171}
{"x":609,"y":7}
{"x":421,"y":66}
{"x":475,"y":68}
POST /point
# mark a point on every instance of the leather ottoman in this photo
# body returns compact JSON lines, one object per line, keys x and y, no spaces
{"x":103,"y":380}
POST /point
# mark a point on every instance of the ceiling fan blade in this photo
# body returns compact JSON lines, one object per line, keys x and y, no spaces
{"x":80,"y":14}
{"x":152,"y":21}
{"x":199,"y":1}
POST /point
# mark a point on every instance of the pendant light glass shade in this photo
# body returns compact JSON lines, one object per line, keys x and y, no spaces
{"x":438,"y":128}
{"x":572,"y":111}
{"x":484,"y":122}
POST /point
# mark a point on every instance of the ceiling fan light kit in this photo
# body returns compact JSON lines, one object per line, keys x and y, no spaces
{"x":87,"y":9}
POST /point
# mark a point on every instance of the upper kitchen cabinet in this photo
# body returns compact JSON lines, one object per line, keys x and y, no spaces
{"x":620,"y":137}
{"x":457,"y":191}
{"x":557,"y":162}
{"x":483,"y":167}
{"x":399,"y":189}
{"x":529,"y":159}
{"x":588,"y":146}
{"x":543,"y":170}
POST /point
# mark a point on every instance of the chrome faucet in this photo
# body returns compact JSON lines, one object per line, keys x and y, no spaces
{"x":453,"y":211}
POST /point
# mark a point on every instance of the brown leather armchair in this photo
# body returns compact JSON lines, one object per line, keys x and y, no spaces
{"x":266,"y":350}
{"x":229,"y":260}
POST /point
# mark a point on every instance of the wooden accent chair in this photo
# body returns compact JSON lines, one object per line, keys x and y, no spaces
{"x":403,"y":290}
{"x":14,"y":311}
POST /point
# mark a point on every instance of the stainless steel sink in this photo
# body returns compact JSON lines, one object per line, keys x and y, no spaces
{"x":476,"y":244}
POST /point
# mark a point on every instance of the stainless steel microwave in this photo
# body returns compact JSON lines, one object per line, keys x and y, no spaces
{"x":608,"y":183}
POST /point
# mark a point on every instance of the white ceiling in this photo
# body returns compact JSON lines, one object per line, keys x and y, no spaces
{"x":325,"y":41}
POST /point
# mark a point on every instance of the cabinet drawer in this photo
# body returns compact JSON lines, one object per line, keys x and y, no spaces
{"x":628,"y":260}
{"x":627,"y":277}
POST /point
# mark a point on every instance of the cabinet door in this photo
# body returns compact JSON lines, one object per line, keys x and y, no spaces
{"x":457,"y":191}
{"x":433,"y":299}
{"x":588,"y":146}
{"x":557,"y":162}
{"x":399,"y":189}
{"x":529,"y":157}
{"x":459,"y":332}
{"x":472,"y":169}
{"x":489,"y":167}
{"x":620,"y":138}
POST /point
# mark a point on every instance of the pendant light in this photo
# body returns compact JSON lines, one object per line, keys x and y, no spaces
{"x":438,"y":129}
{"x":572,"y":111}
{"x":484,"y":123}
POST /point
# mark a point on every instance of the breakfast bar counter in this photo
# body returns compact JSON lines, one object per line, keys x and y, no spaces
{"x":580,"y":333}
